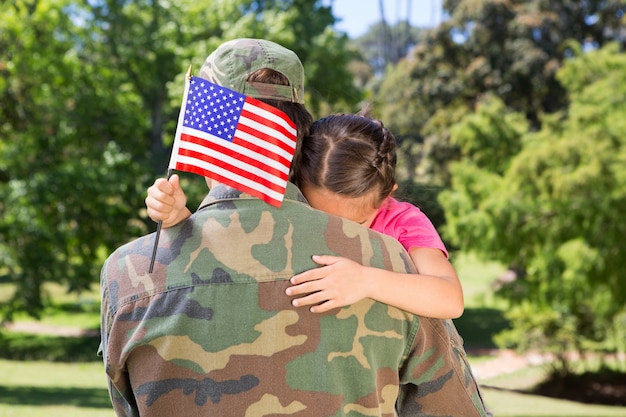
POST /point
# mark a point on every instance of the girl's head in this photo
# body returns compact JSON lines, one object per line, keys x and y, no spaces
{"x":347,"y":166}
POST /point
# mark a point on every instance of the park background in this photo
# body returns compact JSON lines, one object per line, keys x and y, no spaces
{"x":510,"y":118}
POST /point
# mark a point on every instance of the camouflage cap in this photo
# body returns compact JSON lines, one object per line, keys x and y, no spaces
{"x":233,"y":61}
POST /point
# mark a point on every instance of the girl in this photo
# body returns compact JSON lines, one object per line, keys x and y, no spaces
{"x":347,"y":168}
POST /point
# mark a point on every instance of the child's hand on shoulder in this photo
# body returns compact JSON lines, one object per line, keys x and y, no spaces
{"x":337,"y":283}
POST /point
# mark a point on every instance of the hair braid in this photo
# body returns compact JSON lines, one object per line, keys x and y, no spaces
{"x":348,"y":154}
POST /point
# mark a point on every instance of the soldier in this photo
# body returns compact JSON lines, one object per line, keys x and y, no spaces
{"x":211,"y":332}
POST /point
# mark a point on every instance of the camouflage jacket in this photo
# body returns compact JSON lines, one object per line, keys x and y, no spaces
{"x":210,"y":332}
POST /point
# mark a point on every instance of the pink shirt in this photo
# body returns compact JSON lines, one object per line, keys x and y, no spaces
{"x":408,"y":224}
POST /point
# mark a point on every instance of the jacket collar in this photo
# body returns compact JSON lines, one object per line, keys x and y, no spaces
{"x":223,"y":192}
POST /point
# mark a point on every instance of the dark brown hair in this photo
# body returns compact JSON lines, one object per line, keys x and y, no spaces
{"x":348,"y":154}
{"x":296,"y":111}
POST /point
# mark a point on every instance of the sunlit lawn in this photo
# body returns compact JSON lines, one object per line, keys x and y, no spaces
{"x":45,"y":389}
{"x":502,"y":396}
{"x":67,"y":310}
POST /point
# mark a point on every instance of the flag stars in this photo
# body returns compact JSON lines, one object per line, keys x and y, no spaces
{"x":213,"y":109}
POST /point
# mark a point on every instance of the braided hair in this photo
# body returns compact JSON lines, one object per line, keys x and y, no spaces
{"x":350,"y":155}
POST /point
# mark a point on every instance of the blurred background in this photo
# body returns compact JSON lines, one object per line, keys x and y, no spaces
{"x":510,"y":118}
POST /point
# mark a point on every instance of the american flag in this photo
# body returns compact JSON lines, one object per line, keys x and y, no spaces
{"x":234,"y":139}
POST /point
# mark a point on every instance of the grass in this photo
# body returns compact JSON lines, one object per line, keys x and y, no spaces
{"x":41,"y":347}
{"x":78,"y":389}
{"x":477,"y":277}
{"x":505,"y":397}
{"x":36,"y":388}
{"x":512,"y":404}
{"x":67,"y":310}
{"x":483,"y":316}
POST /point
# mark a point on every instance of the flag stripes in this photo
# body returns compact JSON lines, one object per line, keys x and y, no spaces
{"x":237,"y":140}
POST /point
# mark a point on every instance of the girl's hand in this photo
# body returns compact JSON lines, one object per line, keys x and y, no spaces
{"x":338,"y":283}
{"x":167,"y":202}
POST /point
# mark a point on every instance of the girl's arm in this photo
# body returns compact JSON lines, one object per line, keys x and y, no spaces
{"x":435,"y":291}
{"x":167,"y":202}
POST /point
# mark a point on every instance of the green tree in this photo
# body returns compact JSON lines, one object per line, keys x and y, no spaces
{"x":64,"y":188}
{"x":89,"y":97}
{"x":383,"y":45}
{"x":553,"y":210}
{"x":511,"y":49}
{"x":152,"y":43}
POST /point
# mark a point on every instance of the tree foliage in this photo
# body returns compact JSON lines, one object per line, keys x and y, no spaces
{"x":553,"y":209}
{"x":383,"y":45}
{"x":58,"y":206}
{"x":89,"y":98}
{"x":514,"y":108}
{"x":511,"y":49}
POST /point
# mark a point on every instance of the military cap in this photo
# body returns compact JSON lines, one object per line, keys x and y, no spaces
{"x":233,"y":61}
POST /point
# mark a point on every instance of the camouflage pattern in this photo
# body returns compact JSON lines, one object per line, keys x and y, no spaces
{"x":233,"y":61}
{"x":211,"y":332}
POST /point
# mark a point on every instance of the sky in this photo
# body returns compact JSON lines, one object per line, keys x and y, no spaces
{"x":358,"y":15}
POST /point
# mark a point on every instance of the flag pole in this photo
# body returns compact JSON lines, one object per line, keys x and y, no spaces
{"x":170,"y":169}
{"x":158,"y":233}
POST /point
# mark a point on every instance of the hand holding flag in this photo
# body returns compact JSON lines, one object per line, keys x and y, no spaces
{"x":232,"y":138}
